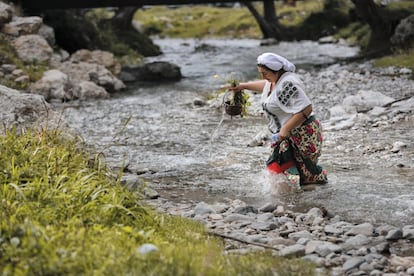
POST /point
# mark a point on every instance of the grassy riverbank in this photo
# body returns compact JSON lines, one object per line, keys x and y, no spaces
{"x":62,"y":213}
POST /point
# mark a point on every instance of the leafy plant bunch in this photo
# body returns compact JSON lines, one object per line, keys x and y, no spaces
{"x":237,"y":99}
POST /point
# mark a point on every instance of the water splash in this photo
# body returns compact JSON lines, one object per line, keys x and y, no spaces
{"x":214,"y":135}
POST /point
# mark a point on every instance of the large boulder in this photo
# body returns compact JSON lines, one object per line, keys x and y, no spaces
{"x":104,"y":58}
{"x":159,"y":71}
{"x":6,"y":13}
{"x":403,"y":37}
{"x":54,"y":84}
{"x":33,"y":48}
{"x":23,"y":25}
{"x":22,"y":110}
{"x":84,"y":71}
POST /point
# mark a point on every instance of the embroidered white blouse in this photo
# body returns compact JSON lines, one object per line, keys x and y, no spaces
{"x":286,"y":99}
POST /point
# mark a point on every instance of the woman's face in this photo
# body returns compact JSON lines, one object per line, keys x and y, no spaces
{"x":267,"y":74}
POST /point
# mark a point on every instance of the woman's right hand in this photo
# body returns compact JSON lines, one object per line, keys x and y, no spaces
{"x":235,"y":88}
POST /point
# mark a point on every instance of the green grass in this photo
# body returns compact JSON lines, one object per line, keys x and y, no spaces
{"x":399,"y":60}
{"x":296,"y":15}
{"x":63,"y":213}
{"x":198,"y":21}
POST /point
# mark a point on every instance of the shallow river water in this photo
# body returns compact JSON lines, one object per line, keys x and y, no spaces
{"x":197,"y":153}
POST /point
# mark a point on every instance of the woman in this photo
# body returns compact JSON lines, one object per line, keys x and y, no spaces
{"x":290,"y":119}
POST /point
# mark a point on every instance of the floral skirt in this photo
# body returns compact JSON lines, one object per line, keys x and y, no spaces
{"x":304,"y":145}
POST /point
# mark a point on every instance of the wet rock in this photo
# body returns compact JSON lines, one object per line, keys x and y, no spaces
{"x":154,"y":71}
{"x":394,"y":234}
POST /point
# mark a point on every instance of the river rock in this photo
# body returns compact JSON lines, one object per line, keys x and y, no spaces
{"x":404,"y":33}
{"x":33,"y":48}
{"x":53,"y":84}
{"x":365,"y":100}
{"x":90,"y":90}
{"x":6,"y":13}
{"x":104,"y":58}
{"x":23,"y":25}
{"x":154,"y":71}
{"x":84,"y":71}
{"x":408,"y":232}
{"x":24,"y":110}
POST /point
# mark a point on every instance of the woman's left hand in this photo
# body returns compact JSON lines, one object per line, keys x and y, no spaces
{"x":283,"y":134}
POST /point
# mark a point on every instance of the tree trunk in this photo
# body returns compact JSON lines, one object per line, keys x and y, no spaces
{"x":381,"y":30}
{"x":268,"y":24}
{"x":123,"y":17}
{"x":122,"y":27}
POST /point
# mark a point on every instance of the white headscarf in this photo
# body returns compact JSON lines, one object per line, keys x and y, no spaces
{"x":275,"y":62}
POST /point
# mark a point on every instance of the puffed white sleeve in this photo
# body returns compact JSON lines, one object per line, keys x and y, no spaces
{"x":291,"y":96}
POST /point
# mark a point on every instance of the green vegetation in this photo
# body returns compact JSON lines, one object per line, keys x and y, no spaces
{"x":401,"y":60}
{"x":198,"y":22}
{"x":62,"y":213}
{"x":355,"y":33}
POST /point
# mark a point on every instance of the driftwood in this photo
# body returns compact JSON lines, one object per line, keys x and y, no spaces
{"x":242,"y":241}
{"x":388,"y":104}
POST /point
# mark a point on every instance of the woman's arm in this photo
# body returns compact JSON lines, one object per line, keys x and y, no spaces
{"x":256,"y":86}
{"x":295,"y":121}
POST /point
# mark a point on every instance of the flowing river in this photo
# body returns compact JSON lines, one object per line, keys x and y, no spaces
{"x":191,"y":153}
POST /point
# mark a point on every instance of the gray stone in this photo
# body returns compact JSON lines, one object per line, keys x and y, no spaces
{"x":33,"y":48}
{"x":238,"y":217}
{"x":408,"y":232}
{"x":24,"y":110}
{"x":147,"y":248}
{"x":383,"y":247}
{"x":296,"y":250}
{"x":352,"y":263}
{"x":245,"y":210}
{"x":158,"y":71}
{"x":366,"y":229}
{"x":263,"y":226}
{"x":203,"y":208}
{"x":265,"y":217}
{"x":268,"y":207}
{"x":394,"y":234}
{"x":301,"y":234}
{"x":355,"y":242}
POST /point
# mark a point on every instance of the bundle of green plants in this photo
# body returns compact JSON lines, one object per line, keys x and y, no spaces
{"x":62,"y":212}
{"x":235,"y":102}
